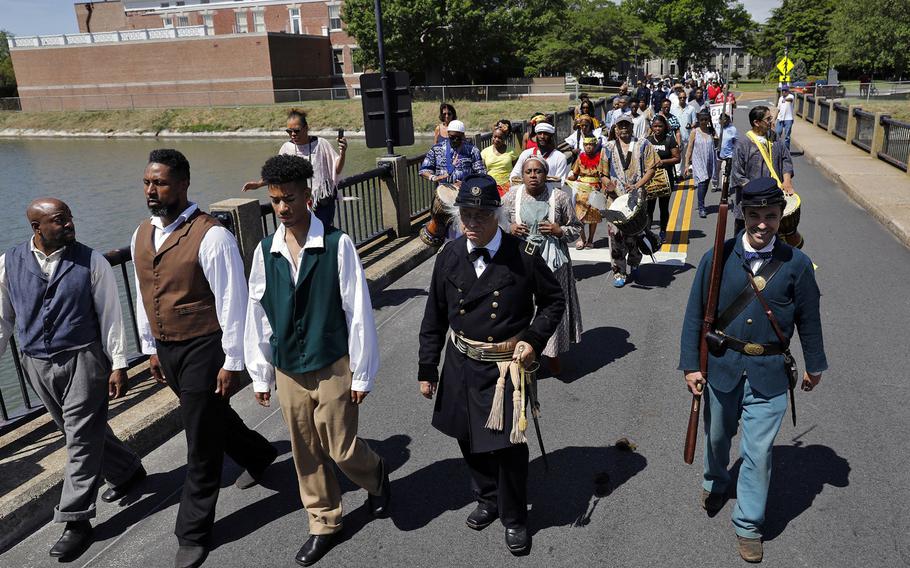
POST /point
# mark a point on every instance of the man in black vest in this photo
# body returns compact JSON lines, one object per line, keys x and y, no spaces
{"x":62,"y":298}
{"x":486,"y":288}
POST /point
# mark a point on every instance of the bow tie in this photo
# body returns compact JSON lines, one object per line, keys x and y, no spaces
{"x":757,"y":255}
{"x":478,"y":253}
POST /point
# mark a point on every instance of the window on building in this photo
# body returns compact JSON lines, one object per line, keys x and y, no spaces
{"x":355,"y":67}
{"x":338,"y":61}
{"x":334,"y":17}
{"x":165,"y":4}
{"x":203,"y":1}
{"x":183,"y":21}
{"x":167,"y":22}
{"x":208,"y":21}
{"x":180,"y":3}
{"x":259,"y":21}
{"x":296,"y":28}
{"x":240,"y":25}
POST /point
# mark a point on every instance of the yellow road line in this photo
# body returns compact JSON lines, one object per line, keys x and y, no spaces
{"x":687,"y":219}
{"x":671,"y":222}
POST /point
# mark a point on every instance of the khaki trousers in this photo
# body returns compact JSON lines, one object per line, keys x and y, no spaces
{"x":322,"y":422}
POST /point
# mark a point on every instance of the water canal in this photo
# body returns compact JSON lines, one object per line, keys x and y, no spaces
{"x":100,"y":179}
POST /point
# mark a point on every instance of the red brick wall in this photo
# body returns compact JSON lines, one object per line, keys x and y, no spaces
{"x":170,"y":73}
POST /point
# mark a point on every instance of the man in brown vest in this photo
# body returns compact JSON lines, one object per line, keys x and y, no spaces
{"x":191,"y":305}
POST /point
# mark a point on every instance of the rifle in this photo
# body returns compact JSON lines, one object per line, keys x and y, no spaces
{"x":710,"y":313}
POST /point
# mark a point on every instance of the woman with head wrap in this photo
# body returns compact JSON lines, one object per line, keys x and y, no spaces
{"x":545,"y":218}
{"x":589,"y":171}
{"x":584,"y":128}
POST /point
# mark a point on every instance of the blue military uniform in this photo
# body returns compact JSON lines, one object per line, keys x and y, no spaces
{"x":751,"y":388}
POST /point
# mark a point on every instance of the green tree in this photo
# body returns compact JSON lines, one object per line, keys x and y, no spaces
{"x":593,"y":36}
{"x":871,"y":34}
{"x":690,"y":28}
{"x":7,"y":75}
{"x":451,"y":40}
{"x":810,"y":23}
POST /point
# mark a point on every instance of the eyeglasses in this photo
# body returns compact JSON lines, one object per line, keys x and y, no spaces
{"x":291,"y":131}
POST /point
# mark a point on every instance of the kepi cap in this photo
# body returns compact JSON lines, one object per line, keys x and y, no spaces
{"x":762,"y":192}
{"x":478,"y":191}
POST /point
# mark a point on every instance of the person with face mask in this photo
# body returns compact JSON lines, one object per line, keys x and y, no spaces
{"x":453,"y":159}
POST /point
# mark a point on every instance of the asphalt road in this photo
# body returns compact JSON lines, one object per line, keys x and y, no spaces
{"x":839,"y":495}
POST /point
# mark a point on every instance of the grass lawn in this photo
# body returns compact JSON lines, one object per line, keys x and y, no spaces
{"x":754,"y":86}
{"x":322,"y":115}
{"x":899,"y":110}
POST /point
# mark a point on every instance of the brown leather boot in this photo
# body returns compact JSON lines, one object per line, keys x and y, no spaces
{"x":750,"y":549}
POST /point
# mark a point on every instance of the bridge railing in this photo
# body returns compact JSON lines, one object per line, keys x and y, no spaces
{"x":810,"y":107}
{"x":865,"y":126}
{"x":841,"y":117}
{"x":18,"y":402}
{"x":824,"y":114}
{"x":895,"y":142}
{"x":800,"y":104}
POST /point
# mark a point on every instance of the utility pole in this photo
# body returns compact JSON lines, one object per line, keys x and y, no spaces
{"x":788,"y":37}
{"x":384,"y":81}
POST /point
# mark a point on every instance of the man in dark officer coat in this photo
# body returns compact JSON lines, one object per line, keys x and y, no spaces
{"x":485,"y":287}
{"x":747,"y":380}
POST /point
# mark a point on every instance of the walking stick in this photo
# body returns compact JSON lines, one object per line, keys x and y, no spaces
{"x":528,"y":385}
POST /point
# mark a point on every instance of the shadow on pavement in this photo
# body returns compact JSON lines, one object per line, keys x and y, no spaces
{"x":590,"y":270}
{"x":396,"y":297}
{"x":581,"y":360}
{"x":658,"y":275}
{"x":282,"y":479}
{"x":162,"y":489}
{"x":799,"y":474}
{"x":578,"y":479}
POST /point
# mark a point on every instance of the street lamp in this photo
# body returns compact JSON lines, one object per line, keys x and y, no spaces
{"x":788,"y":37}
{"x":636,"y":38}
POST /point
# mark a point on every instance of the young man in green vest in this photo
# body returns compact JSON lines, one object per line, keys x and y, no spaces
{"x":310,"y":332}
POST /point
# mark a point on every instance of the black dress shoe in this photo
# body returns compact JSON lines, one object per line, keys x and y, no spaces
{"x":251,"y":476}
{"x":190,"y":556}
{"x":379,"y":504}
{"x":518,"y":540}
{"x":314,"y":549}
{"x":114,"y":494}
{"x":76,"y":537}
{"x":481,"y":518}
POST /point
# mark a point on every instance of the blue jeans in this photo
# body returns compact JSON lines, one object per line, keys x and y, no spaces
{"x":761,"y":418}
{"x":783,"y":129}
{"x":702,"y":189}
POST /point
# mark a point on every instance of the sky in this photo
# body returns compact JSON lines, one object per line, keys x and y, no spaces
{"x":33,"y":17}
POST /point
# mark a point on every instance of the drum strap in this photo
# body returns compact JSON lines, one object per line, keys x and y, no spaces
{"x":765,"y":150}
{"x":767,"y":272}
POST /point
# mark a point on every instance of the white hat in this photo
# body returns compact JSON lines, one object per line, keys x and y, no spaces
{"x":456,"y":126}
{"x":544,"y":127}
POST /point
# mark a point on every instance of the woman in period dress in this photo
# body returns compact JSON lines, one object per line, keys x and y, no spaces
{"x":589,"y":172}
{"x":545,"y":217}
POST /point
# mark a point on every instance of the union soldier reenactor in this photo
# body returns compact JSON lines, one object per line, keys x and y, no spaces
{"x":767,"y":289}
{"x":486,"y":287}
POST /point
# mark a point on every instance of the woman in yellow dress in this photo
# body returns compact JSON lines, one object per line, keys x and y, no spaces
{"x":590,"y":172}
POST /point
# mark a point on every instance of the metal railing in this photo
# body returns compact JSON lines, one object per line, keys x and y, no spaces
{"x":24,"y":42}
{"x":19,"y":403}
{"x":841,"y":117}
{"x":865,"y":126}
{"x":895,"y":142}
{"x":810,"y":107}
{"x":800,"y":104}
{"x":824,"y":113}
{"x":420,"y":190}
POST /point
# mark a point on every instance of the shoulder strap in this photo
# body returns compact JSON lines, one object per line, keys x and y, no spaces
{"x":766,"y":153}
{"x":777,"y":331}
{"x":745,"y":297}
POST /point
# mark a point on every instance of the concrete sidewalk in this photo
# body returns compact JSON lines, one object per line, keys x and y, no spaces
{"x":878,"y":187}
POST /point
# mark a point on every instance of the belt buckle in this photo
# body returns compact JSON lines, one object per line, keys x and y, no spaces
{"x":531,"y":248}
{"x":474,"y":353}
{"x":754,"y":349}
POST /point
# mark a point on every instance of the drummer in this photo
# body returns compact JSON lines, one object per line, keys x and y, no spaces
{"x":453,"y":159}
{"x":632,"y":165}
{"x":591,"y":170}
{"x":545,"y":135}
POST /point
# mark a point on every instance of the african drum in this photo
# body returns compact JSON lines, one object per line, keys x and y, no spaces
{"x":790,"y":221}
{"x":630,"y":213}
{"x":441,"y":214}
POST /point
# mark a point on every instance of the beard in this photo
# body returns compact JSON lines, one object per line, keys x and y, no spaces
{"x":162,"y":210}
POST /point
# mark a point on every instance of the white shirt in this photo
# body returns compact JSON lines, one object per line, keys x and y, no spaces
{"x":556,"y":160}
{"x":222,"y":266}
{"x":105,"y":297}
{"x":363,"y":342}
{"x":493,"y":246}
{"x":785,"y":107}
{"x":757,"y":263}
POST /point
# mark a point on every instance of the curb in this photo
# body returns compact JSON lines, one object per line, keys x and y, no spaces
{"x":900,"y":230}
{"x":27,"y":512}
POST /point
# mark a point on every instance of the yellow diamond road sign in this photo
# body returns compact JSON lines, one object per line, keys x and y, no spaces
{"x":785,"y":66}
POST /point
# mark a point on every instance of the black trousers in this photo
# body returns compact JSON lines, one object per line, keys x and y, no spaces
{"x":499,"y":480}
{"x":664,"y":201}
{"x":212,"y":430}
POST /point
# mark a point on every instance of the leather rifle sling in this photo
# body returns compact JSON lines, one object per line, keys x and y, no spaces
{"x":736,"y":307}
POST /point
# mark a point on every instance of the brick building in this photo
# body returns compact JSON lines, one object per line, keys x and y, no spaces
{"x":307,"y":17}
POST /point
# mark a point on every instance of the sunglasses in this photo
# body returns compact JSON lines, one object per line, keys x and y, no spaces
{"x":291,"y":131}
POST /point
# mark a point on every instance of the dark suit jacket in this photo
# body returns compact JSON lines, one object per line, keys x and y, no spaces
{"x":793,"y":296}
{"x":493,"y":308}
